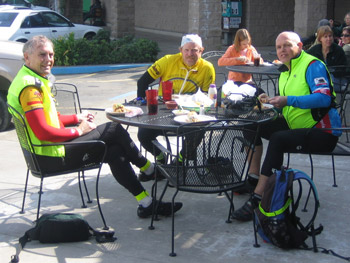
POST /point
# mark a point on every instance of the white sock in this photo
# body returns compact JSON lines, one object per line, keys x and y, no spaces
{"x":145,"y":202}
{"x":150,"y":169}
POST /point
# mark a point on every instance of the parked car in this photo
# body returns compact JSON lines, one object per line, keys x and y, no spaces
{"x":21,"y":3}
{"x":22,"y":23}
{"x":11,"y":60}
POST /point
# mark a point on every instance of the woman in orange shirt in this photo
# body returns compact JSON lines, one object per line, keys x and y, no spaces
{"x":240,"y":53}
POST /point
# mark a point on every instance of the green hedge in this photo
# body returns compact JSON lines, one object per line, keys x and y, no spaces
{"x":102,"y":50}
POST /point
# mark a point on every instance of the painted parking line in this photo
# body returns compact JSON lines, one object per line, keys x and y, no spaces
{"x":124,"y":95}
{"x":92,"y":69}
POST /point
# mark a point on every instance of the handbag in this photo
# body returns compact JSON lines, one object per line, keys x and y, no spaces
{"x":62,"y":227}
{"x":235,"y":108}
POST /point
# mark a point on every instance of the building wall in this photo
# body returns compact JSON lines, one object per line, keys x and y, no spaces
{"x":163,"y":15}
{"x":179,"y":17}
{"x":205,"y":19}
{"x":307,"y":15}
{"x":341,"y":7}
{"x":265,"y":19}
{"x":119,"y":17}
{"x":73,"y":10}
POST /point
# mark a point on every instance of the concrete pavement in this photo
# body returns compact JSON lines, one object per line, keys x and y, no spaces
{"x":201,"y":234}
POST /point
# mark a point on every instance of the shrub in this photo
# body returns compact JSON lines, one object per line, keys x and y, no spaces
{"x":102,"y":50}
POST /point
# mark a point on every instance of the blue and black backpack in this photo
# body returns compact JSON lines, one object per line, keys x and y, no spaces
{"x":276,"y":218}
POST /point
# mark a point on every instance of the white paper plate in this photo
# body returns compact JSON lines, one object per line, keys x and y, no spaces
{"x":128,"y":108}
{"x":180,"y":112}
{"x":201,"y":118}
{"x":267,"y":106}
{"x":267,"y":64}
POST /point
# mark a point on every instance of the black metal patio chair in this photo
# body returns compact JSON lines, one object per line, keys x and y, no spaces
{"x":215,"y":160}
{"x":35,"y":167}
{"x":341,"y":149}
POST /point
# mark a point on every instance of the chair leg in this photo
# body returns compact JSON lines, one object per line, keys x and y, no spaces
{"x":105,"y":227}
{"x":89,"y":201}
{"x":312,"y":177}
{"x":256,"y":244}
{"x":288,"y":159}
{"x":25,"y":193}
{"x":154,"y":197}
{"x":232,"y":206}
{"x":81,"y":192}
{"x":333,"y":167}
{"x":39,"y":200}
{"x":172,"y":253}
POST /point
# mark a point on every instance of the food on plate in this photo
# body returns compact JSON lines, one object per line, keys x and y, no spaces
{"x":263,"y":106}
{"x":119,"y":108}
{"x":241,"y":58}
{"x":264,"y":99}
{"x":276,"y":61}
{"x":192,"y":116}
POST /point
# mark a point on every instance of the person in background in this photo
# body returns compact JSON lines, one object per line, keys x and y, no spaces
{"x":345,"y":37}
{"x":330,"y":53}
{"x":311,"y":40}
{"x":240,"y":53}
{"x":338,"y":29}
{"x":30,"y":94}
{"x":188,"y":67}
{"x":95,"y":7}
{"x":307,"y":103}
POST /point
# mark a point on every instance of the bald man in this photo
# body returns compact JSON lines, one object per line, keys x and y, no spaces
{"x":307,"y":101}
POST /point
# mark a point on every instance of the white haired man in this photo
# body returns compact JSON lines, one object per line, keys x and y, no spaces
{"x":190,"y":72}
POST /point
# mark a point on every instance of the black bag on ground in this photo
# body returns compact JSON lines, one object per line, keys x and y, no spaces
{"x":62,"y":227}
{"x":57,"y":228}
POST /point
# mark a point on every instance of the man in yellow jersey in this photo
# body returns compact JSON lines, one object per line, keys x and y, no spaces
{"x":188,"y":72}
{"x":30,"y":94}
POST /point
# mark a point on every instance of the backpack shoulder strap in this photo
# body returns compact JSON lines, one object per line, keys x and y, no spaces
{"x":301,"y":175}
{"x":22,"y":242}
{"x":103,"y":236}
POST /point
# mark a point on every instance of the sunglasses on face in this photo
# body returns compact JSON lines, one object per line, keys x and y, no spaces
{"x":344,"y":35}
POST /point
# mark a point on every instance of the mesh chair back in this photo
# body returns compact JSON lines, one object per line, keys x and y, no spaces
{"x":67,"y":98}
{"x":214,"y":158}
{"x":24,"y":140}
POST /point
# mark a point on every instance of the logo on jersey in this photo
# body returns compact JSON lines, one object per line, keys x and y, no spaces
{"x":155,"y":70}
{"x":320,"y":81}
{"x":37,"y":94}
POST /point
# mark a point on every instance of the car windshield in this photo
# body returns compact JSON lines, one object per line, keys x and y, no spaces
{"x":6,"y":19}
{"x":16,"y":2}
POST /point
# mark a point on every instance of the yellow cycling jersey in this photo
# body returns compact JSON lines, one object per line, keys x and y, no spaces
{"x":171,"y":67}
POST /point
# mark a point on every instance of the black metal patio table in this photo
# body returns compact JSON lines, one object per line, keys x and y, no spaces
{"x":164,"y":119}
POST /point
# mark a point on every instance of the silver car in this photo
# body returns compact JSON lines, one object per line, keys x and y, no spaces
{"x":11,"y":60}
{"x":21,"y":23}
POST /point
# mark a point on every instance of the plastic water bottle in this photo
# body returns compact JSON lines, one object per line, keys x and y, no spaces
{"x":212,"y":94}
{"x":201,"y":110}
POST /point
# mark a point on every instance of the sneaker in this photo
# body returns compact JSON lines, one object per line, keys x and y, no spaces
{"x":145,"y":178}
{"x":164,"y":209}
{"x":245,"y":213}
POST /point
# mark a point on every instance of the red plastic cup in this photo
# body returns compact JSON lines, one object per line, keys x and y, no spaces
{"x":167,"y":90}
{"x":152,"y":101}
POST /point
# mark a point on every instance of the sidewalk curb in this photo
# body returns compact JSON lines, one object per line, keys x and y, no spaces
{"x":92,"y":69}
